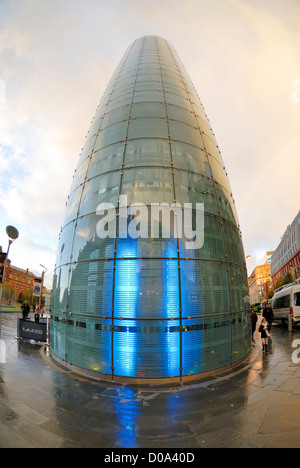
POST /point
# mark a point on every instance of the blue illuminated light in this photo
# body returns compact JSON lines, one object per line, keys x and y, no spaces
{"x":171,"y":307}
{"x":126,"y":300}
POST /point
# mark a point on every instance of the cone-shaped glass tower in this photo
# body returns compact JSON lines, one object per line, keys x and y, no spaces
{"x":131,"y":297}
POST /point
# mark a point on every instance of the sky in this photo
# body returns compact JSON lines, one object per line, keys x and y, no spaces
{"x":56,"y":59}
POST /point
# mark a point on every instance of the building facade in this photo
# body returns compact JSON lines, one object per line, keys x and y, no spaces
{"x":286,"y":258}
{"x":128,"y":300}
{"x":20,"y":281}
{"x":260,"y":283}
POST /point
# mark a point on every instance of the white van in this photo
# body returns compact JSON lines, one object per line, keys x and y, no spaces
{"x":286,"y":301}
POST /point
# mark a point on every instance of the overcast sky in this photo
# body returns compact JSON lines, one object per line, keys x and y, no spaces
{"x":56,"y":58}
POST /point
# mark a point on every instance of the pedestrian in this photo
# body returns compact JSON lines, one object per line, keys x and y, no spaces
{"x":264,"y":330}
{"x":42,"y":311}
{"x":25,"y":308}
{"x":254,"y":319}
{"x":269,"y":315}
{"x":37,"y":316}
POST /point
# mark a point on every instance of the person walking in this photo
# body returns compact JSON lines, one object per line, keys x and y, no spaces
{"x":25,"y":308}
{"x":264,"y":330}
{"x":269,"y":315}
{"x":254,"y":319}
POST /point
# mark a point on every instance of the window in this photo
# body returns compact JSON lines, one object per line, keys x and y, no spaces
{"x":297,"y":299}
{"x":282,"y":302}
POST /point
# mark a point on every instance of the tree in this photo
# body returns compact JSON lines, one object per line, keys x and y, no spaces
{"x":28,"y":296}
{"x":8,"y":291}
{"x":270,"y":294}
{"x":288,"y":278}
{"x":279,"y":283}
{"x":20,"y":298}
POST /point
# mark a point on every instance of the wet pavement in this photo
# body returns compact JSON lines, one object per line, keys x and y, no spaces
{"x":255,"y":405}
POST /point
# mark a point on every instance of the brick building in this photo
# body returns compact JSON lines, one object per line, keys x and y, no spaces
{"x":21,"y":281}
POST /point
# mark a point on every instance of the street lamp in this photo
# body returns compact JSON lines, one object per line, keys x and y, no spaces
{"x":13,"y":234}
{"x":43,"y":275}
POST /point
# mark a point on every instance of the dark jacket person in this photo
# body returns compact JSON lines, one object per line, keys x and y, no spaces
{"x":268,"y":314}
{"x":25,"y":308}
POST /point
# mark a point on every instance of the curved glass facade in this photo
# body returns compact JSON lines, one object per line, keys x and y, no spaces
{"x":146,"y":305}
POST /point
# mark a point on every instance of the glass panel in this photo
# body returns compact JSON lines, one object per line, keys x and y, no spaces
{"x":191,"y":158}
{"x":87,"y":245}
{"x":217,"y":342}
{"x":148,"y":186}
{"x":80,"y":174}
{"x":239,"y":292}
{"x":186,"y":133}
{"x":233,"y":242}
{"x":88,"y":148}
{"x":89,"y":343}
{"x":110,"y":118}
{"x":96,"y":125}
{"x":148,"y":109}
{"x":200,"y":111}
{"x":60,"y":289}
{"x":206,"y":344}
{"x":91,"y":288}
{"x":107,"y":159}
{"x":146,"y":288}
{"x":219,"y":173}
{"x":112,"y":134}
{"x":65,"y":243}
{"x":212,"y":149}
{"x":226,"y":204}
{"x":205,"y":127}
{"x":147,"y":247}
{"x":119,"y":103}
{"x":58,"y":334}
{"x":182,"y":115}
{"x":102,"y":189}
{"x":119,"y":94}
{"x":73,"y":205}
{"x":142,"y":76}
{"x":145,"y":96}
{"x":149,"y":86}
{"x":178,"y":101}
{"x":147,"y":128}
{"x":147,"y":153}
{"x":213,"y":246}
{"x":193,"y":188}
{"x":147,"y":349}
{"x":241,"y":335}
{"x":204,"y":288}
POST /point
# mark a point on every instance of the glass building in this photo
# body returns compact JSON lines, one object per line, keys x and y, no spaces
{"x":145,"y":305}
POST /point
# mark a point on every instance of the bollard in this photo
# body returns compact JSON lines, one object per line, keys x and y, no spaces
{"x":290,"y":323}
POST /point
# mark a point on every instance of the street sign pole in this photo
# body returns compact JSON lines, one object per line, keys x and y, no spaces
{"x":13,"y":234}
{"x":3,"y":275}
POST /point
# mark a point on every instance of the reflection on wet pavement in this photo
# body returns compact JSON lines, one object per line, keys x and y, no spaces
{"x":256,"y":405}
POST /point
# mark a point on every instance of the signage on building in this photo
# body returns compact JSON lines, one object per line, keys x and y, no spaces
{"x":2,"y":262}
{"x":37,"y":287}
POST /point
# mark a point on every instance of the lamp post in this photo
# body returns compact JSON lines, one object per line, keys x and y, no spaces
{"x":13,"y":234}
{"x":43,"y":275}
